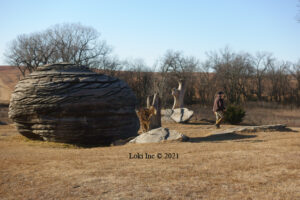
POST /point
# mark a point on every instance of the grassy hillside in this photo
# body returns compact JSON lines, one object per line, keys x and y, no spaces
{"x":263,"y":165}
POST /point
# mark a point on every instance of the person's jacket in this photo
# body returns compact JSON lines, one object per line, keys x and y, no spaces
{"x":219,"y":104}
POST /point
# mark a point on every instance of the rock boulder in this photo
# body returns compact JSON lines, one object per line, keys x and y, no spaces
{"x":159,"y":135}
{"x":179,"y":115}
{"x":68,"y":103}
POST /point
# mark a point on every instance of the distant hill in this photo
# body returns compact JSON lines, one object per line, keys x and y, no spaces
{"x":9,"y":77}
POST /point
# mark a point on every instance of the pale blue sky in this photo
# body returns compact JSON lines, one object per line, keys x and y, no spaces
{"x":146,"y":29}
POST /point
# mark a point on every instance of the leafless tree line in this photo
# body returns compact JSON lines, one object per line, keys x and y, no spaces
{"x":242,"y":76}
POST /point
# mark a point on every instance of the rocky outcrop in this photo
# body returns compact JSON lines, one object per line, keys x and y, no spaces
{"x":68,"y":103}
{"x":179,"y":115}
{"x":159,"y":135}
{"x":262,"y":128}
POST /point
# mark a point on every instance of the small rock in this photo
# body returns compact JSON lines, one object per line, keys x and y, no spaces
{"x":181,"y":115}
{"x":159,"y":135}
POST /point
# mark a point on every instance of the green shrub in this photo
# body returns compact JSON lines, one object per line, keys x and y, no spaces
{"x":234,"y":114}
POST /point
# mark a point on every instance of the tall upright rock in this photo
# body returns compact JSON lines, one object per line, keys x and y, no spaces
{"x":71,"y":104}
{"x":178,"y":113}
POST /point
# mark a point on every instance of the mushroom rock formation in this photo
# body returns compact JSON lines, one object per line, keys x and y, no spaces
{"x":71,"y":104}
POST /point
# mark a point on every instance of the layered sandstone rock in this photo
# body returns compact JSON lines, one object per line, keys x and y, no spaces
{"x":68,"y":103}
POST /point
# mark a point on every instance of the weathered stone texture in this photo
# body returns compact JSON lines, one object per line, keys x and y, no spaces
{"x":179,"y":115}
{"x":159,"y":135}
{"x":68,"y":103}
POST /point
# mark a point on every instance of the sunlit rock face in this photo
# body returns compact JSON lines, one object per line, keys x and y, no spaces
{"x":71,"y":104}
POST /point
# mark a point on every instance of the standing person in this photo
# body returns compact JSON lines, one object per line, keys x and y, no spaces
{"x":219,"y":108}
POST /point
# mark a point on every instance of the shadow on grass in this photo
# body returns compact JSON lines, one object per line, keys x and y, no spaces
{"x":252,"y":141}
{"x":56,"y":144}
{"x":200,"y":123}
{"x":288,"y":130}
{"x":221,"y":137}
{"x":210,"y":122}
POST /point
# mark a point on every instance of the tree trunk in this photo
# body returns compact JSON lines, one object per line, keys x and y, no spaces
{"x":178,"y":95}
{"x":155,"y":120}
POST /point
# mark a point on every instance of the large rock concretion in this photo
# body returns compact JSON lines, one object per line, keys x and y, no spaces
{"x":71,"y":104}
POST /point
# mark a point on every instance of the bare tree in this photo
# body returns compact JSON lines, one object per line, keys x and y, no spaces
{"x":175,"y":67}
{"x":261,"y":62}
{"x":108,"y":65}
{"x":73,"y":43}
{"x":155,"y":120}
{"x":29,"y":51}
{"x":140,"y":78}
{"x":295,"y":72}
{"x":205,"y":84}
{"x":233,"y":72}
{"x":279,"y":81}
{"x":177,"y":64}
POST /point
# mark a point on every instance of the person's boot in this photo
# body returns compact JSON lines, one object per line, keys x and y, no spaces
{"x":217,"y":126}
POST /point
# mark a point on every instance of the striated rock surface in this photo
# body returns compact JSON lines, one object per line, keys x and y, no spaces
{"x":262,"y":128}
{"x":159,"y":135}
{"x":179,"y":115}
{"x":68,"y":103}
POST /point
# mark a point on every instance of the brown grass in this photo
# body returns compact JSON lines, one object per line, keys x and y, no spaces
{"x":261,"y":165}
{"x":256,"y":114}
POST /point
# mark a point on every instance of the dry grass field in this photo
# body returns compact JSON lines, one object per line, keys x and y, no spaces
{"x":262,"y":165}
{"x":257,"y":114}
